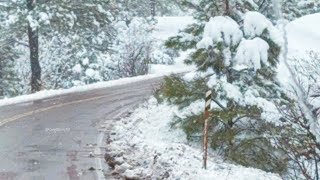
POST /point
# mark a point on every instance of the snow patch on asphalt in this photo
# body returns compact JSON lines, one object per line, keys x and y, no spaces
{"x":145,"y":146}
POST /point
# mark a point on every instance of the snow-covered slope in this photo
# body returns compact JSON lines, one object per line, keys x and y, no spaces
{"x":146,"y":147}
{"x":304,"y":34}
{"x":165,"y":28}
{"x":169,"y":26}
{"x":304,"y":54}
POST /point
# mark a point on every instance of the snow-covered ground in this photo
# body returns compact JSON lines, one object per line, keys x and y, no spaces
{"x":179,"y":66}
{"x":146,"y":147}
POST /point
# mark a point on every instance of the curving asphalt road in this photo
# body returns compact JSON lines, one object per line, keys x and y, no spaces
{"x":61,"y":137}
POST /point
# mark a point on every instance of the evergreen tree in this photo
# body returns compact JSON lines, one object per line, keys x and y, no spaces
{"x":236,"y":57}
{"x":205,"y":9}
{"x":231,"y":61}
{"x":9,"y":81}
{"x":293,"y":9}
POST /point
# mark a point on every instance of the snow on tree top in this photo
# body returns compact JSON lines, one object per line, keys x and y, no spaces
{"x":220,"y":29}
{"x":255,"y":23}
{"x":250,"y":52}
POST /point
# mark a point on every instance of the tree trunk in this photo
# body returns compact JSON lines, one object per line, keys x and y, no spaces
{"x":227,"y":7}
{"x":153,"y":8}
{"x":1,"y":80}
{"x":34,"y":53}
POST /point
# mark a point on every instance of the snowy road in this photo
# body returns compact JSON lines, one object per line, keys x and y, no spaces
{"x":53,"y":138}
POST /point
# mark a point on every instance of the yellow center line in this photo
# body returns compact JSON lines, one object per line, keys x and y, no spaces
{"x":16,"y":117}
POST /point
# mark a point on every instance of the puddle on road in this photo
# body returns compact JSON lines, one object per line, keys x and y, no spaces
{"x":8,"y":175}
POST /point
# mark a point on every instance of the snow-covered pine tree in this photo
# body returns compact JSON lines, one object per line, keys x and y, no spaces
{"x":205,"y":9}
{"x":9,"y":82}
{"x":238,"y":63}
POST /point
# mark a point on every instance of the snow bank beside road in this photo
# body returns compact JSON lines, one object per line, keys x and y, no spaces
{"x":52,"y":93}
{"x":145,"y":146}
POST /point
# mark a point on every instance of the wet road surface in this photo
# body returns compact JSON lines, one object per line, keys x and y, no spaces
{"x":52,"y":139}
